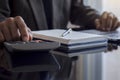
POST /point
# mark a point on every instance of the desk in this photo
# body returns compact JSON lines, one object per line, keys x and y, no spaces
{"x":100,"y":66}
{"x":111,"y":70}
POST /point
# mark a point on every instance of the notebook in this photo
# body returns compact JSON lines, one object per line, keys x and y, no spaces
{"x":74,"y":37}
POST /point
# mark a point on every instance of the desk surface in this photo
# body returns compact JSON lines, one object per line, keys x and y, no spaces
{"x":101,"y":66}
{"x":111,"y":64}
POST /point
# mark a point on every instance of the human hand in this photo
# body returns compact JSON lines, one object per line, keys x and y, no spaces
{"x":14,"y":29}
{"x":107,"y":22}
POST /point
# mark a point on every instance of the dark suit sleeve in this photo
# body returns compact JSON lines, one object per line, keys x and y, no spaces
{"x":4,"y":9}
{"x":83,"y":15}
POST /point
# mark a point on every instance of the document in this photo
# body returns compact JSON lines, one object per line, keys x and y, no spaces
{"x":74,"y":37}
{"x":114,"y":35}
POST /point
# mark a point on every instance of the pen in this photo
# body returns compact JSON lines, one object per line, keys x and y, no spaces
{"x":66,"y":32}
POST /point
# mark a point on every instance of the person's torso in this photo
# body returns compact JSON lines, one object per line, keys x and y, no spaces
{"x":34,"y":13}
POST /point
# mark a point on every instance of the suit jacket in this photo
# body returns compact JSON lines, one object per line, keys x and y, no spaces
{"x":63,"y":11}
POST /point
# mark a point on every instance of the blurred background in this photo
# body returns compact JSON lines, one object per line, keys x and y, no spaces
{"x":103,"y":66}
{"x":105,"y":5}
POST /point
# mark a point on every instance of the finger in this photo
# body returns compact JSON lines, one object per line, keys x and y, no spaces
{"x":6,"y":32}
{"x":119,"y":24}
{"x":110,"y":21}
{"x":22,"y":28}
{"x":115,"y":23}
{"x":103,"y":21}
{"x":30,"y":37}
{"x":97,"y":23}
{"x":2,"y":39}
{"x":1,"y":34}
{"x":13,"y":29}
{"x":30,"y":34}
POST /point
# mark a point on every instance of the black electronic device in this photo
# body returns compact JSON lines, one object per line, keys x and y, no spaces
{"x":31,"y":56}
{"x":30,"y":46}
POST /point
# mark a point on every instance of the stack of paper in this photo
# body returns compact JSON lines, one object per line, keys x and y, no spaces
{"x":112,"y":35}
{"x":74,"y":41}
{"x":73,"y":38}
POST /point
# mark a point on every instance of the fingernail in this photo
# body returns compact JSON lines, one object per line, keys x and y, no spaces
{"x":25,"y":38}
